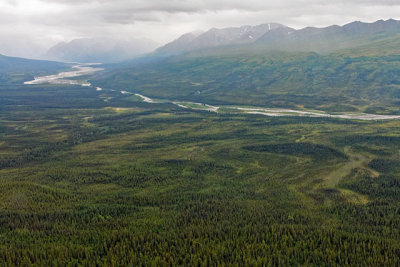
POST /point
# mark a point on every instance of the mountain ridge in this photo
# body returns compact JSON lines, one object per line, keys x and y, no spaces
{"x":217,"y":37}
{"x":361,"y":77}
{"x":280,"y":37}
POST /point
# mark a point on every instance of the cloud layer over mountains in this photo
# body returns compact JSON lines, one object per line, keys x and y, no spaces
{"x":44,"y":23}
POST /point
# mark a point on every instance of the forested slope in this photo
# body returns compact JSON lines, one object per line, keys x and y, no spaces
{"x":342,"y":81}
{"x":99,"y":178}
{"x":16,"y":70}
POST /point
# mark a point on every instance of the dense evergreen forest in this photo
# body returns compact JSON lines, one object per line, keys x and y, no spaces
{"x":98,"y":178}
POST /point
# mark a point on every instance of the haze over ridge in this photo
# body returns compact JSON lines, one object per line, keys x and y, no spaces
{"x":30,"y":27}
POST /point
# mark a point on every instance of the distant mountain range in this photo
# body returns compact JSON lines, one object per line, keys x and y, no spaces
{"x":218,"y":38}
{"x":354,"y":67}
{"x":268,"y":36}
{"x":104,"y":50}
{"x":280,"y":37}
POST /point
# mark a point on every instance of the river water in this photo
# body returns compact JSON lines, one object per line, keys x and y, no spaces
{"x":80,"y":69}
{"x":83,"y":69}
{"x":279,"y":112}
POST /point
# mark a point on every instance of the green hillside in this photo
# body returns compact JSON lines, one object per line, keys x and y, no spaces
{"x":99,"y":177}
{"x":17,"y":70}
{"x":341,"y":81}
{"x":386,"y":47}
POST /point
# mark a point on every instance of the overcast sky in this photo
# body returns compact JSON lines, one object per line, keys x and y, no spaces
{"x":33,"y":25}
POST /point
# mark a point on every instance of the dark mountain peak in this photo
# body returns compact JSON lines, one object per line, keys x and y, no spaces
{"x":279,"y":33}
{"x":388,"y":21}
{"x":317,"y":29}
{"x":187,"y":37}
{"x":218,"y":37}
{"x":378,"y":22}
{"x":354,"y":25}
{"x":179,"y":45}
{"x":231,"y":36}
{"x":275,"y":36}
{"x":358,"y":27}
{"x":393,"y":21}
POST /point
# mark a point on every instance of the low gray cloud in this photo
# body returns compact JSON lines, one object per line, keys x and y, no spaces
{"x":46,"y":22}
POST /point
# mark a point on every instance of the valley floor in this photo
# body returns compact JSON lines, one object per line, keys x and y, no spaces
{"x":96,"y":177}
